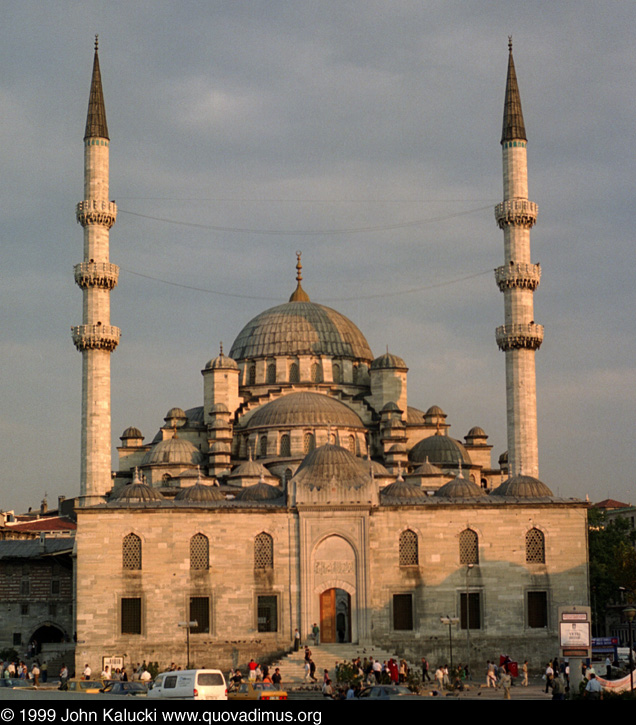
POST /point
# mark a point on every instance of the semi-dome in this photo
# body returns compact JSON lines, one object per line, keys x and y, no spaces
{"x":523,"y":487}
{"x":328,"y":464}
{"x":441,"y":451}
{"x":175,"y":451}
{"x":307,"y":409}
{"x":300,"y":328}
{"x":460,"y":487}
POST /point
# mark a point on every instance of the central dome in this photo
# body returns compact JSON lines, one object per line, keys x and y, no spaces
{"x":300,"y":328}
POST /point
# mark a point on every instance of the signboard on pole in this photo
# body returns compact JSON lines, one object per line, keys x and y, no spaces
{"x":575,"y":631}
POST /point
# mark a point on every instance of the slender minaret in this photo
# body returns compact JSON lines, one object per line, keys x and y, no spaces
{"x":95,"y":338}
{"x":519,"y":337}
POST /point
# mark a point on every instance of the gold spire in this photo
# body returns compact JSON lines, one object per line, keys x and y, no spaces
{"x":299,"y":294}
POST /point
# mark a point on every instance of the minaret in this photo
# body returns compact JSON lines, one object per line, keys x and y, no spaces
{"x":519,"y":337}
{"x":95,"y":338}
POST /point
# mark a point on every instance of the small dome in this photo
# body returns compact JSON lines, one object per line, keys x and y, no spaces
{"x":176,"y":451}
{"x":435,"y":410}
{"x":260,"y":491}
{"x":330,"y":463}
{"x":199,"y":493}
{"x":476,"y":432}
{"x":175,"y":413}
{"x":523,"y":487}
{"x":460,"y":487}
{"x":441,"y":451}
{"x":131,"y":432}
{"x":250,"y":469}
{"x":306,"y":409}
{"x":388,"y":361}
{"x":138,"y":492}
{"x":219,"y":408}
{"x":401,"y":489}
{"x":379,"y":471}
{"x":427,"y":469}
{"x":222,"y":362}
{"x":390,"y":407}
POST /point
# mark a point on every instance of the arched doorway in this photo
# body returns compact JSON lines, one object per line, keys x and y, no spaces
{"x":335,"y":616}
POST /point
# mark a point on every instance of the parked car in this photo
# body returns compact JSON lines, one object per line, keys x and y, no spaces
{"x":125,"y":688}
{"x":387,"y":692}
{"x":257,"y":691}
{"x":190,"y":685}
{"x":88,"y":686}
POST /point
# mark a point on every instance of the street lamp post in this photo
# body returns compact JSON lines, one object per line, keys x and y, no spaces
{"x":630,"y":613}
{"x":188,"y":626}
{"x":450,"y":621}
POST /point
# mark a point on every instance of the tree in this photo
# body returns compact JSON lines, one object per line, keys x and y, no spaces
{"x":612,"y":561}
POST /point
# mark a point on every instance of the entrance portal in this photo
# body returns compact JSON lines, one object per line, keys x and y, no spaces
{"x":335,"y":616}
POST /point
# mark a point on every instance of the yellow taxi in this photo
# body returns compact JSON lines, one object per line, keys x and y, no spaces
{"x":256,"y":691}
{"x":86,"y":686}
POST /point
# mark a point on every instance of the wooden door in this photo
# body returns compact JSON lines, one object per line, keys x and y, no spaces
{"x":328,"y":616}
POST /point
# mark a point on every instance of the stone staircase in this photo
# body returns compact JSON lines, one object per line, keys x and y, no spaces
{"x":326,"y":657}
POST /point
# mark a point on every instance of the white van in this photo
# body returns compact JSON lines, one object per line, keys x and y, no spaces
{"x":190,"y":684}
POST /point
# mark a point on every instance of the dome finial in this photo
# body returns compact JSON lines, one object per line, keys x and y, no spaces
{"x":221,"y":349}
{"x":299,"y":294}
{"x":96,"y":42}
{"x":510,"y":43}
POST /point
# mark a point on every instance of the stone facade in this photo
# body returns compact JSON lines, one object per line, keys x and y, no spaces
{"x":305,"y":489}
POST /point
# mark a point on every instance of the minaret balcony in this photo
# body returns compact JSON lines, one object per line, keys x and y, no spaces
{"x":94,"y":211}
{"x":526,"y":336}
{"x":96,"y":337}
{"x":521,"y":276}
{"x":516,"y":212}
{"x":103,"y":275}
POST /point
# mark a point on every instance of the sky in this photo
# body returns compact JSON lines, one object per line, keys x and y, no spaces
{"x":364,"y":134}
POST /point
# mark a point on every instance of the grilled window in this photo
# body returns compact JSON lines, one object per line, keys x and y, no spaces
{"x":474,"y":610}
{"x":131,"y":615}
{"x":535,"y":547}
{"x":294,"y":373}
{"x":316,"y":373}
{"x":263,"y":446}
{"x":199,"y":552}
{"x":263,"y":551}
{"x":409,"y":554}
{"x":468,"y":547}
{"x":200,"y":613}
{"x":267,"y":614}
{"x":308,"y":443}
{"x":285,"y":446}
{"x":131,"y":552}
{"x":251,"y":375}
{"x":537,"y":610}
{"x":271,"y":373}
{"x":336,"y":373}
{"x":402,"y":612}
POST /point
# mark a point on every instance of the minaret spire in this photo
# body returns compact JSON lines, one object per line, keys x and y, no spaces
{"x":95,"y":338}
{"x":513,"y":126}
{"x":96,"y":126}
{"x":517,"y":279}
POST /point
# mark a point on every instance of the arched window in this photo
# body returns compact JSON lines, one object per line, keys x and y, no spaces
{"x":308,"y":443}
{"x":352,"y":445}
{"x":131,"y":552}
{"x":271,"y":373}
{"x":251,"y":375}
{"x":263,"y":446}
{"x":294,"y":373}
{"x":316,"y":373}
{"x":468,"y":547}
{"x":336,"y":373}
{"x":355,"y":374}
{"x":263,"y":551}
{"x":199,"y":552}
{"x":535,"y":547}
{"x":409,"y":553}
{"x":285,"y":446}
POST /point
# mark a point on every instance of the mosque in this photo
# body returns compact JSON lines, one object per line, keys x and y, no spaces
{"x":305,"y":489}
